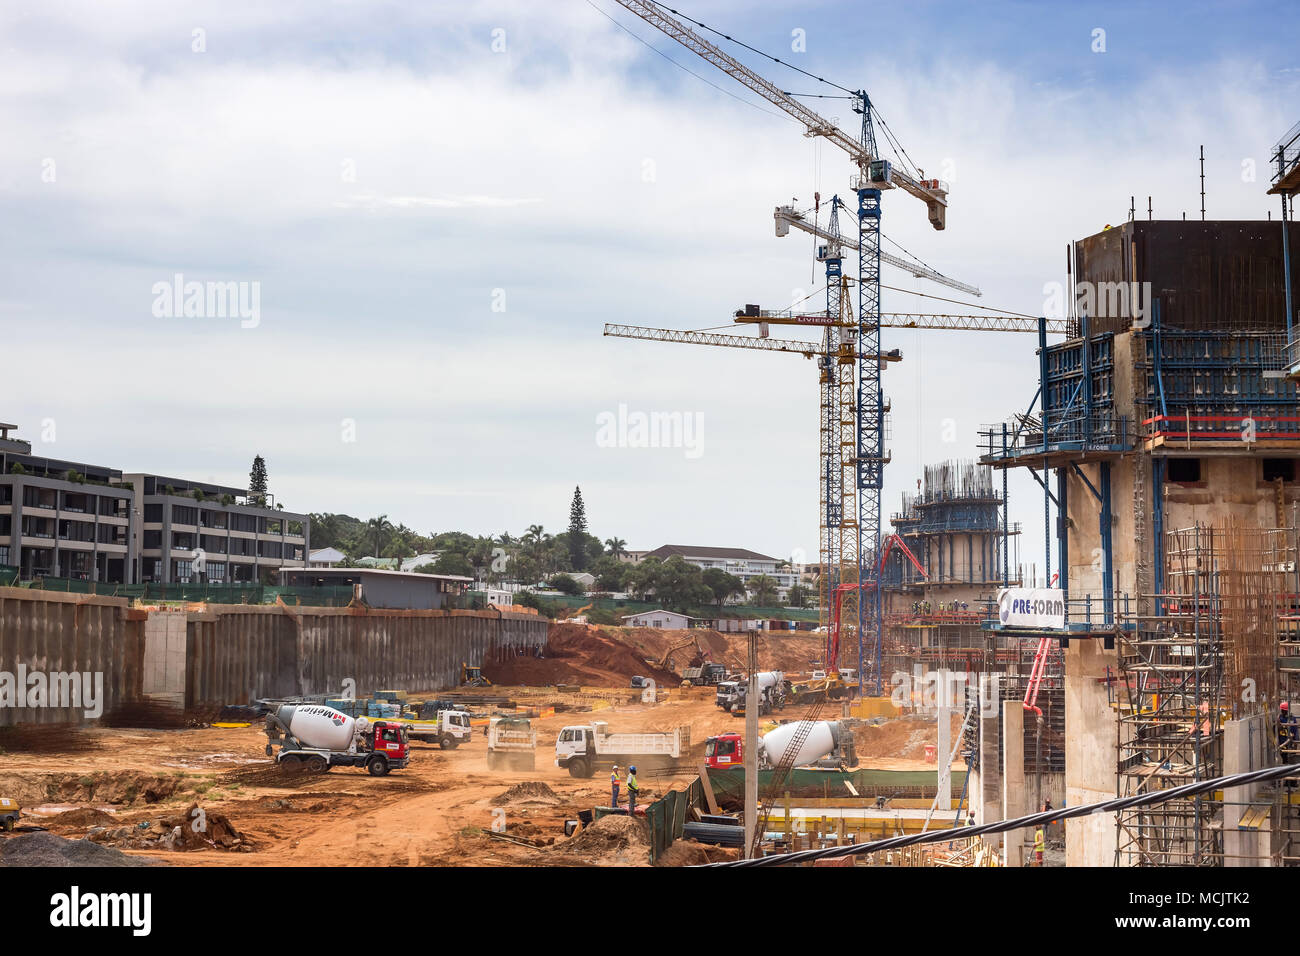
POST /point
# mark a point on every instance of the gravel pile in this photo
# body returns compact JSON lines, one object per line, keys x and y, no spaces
{"x":46,"y":849}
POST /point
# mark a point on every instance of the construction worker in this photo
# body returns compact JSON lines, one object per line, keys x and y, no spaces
{"x":1288,"y":737}
{"x":613,"y":786}
{"x":1040,"y":844}
{"x":632,"y":789}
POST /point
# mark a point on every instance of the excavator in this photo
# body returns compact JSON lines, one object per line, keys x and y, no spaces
{"x":673,"y":649}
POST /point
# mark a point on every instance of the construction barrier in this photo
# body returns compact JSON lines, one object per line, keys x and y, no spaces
{"x":667,"y":816}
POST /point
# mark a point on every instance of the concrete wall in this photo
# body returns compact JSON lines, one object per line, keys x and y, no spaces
{"x":1090,"y":753}
{"x":230,"y":654}
{"x":50,"y":633}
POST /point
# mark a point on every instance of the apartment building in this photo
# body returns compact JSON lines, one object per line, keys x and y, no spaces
{"x":741,"y":562}
{"x":62,"y":518}
{"x":197,"y":531}
{"x":88,"y":522}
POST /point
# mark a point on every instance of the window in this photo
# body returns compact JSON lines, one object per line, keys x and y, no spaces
{"x":1184,"y":471}
{"x":725,"y":748}
{"x":1275,"y":468}
{"x":153,"y":513}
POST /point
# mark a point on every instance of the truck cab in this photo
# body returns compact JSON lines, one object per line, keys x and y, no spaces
{"x":453,"y":729}
{"x":729,"y":692}
{"x":724,"y":750}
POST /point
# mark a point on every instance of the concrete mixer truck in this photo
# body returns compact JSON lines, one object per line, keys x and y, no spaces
{"x":772,"y":687}
{"x":823,"y":744}
{"x":315,"y":738}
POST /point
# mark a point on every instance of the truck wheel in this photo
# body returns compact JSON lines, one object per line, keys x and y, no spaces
{"x":447,"y":742}
{"x":377,"y":765}
{"x":579,"y":768}
{"x":291,"y":763}
{"x":9,"y":824}
{"x":317,"y":764}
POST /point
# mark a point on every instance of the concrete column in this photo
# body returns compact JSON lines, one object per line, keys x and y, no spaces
{"x":944,"y":748}
{"x":1013,"y":780}
{"x":990,"y":777}
{"x":1244,"y":747}
{"x":1090,"y":752}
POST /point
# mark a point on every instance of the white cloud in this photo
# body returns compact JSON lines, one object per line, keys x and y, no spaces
{"x":588,"y":180}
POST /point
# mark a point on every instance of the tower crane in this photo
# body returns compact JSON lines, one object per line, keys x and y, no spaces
{"x":874,"y":176}
{"x":787,"y":216}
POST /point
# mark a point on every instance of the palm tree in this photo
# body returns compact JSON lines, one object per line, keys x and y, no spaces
{"x":763,"y":590}
{"x":617,"y":546}
{"x":533,"y":534}
{"x":379,"y":529}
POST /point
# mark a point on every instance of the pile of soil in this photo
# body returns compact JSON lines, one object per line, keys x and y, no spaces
{"x":788,"y":651}
{"x":82,"y":817}
{"x":46,"y":849}
{"x":530,"y":792}
{"x":616,"y":836}
{"x":578,"y":654}
{"x":196,"y":829}
{"x":690,"y":853}
{"x":190,"y":829}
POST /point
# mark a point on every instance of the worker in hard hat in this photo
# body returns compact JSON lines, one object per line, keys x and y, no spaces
{"x":1288,"y":735}
{"x":632,"y":789}
{"x":613,"y":786}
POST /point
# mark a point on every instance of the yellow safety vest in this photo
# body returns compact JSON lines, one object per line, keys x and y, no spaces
{"x":631,"y":783}
{"x":1038,"y":840}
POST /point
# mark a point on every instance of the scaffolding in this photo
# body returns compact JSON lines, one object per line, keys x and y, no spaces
{"x":1206,"y":652}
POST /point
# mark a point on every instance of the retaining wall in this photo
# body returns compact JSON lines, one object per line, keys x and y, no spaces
{"x":234,"y":653}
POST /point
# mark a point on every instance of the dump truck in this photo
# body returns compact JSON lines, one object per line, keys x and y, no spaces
{"x":512,"y":744}
{"x":9,"y":811}
{"x":822,"y":744}
{"x":585,"y":749}
{"x":448,"y":728}
{"x":708,"y":675}
{"x":316,"y":738}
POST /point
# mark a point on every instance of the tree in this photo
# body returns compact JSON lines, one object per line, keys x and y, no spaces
{"x":763,"y":590}
{"x":565,"y":584}
{"x":449,"y":562}
{"x":524,"y":569}
{"x":722,"y":585}
{"x":257,"y":481}
{"x":617,"y":547}
{"x":378,"y":531}
{"x":610,"y":573}
{"x":578,"y":531}
{"x":533,"y":535}
{"x":798,"y":596}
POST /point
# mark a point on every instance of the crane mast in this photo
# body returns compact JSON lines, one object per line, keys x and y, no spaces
{"x":859,"y":534}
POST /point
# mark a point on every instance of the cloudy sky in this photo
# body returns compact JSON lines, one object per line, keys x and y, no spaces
{"x":438,"y":206}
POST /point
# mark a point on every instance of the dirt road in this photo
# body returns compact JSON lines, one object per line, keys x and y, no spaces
{"x":438,"y":811}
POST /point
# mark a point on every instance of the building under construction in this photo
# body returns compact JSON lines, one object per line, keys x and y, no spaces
{"x":1166,"y":439}
{"x":954,"y":526}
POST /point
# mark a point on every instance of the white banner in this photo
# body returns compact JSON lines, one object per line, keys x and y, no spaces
{"x":1032,"y":607}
